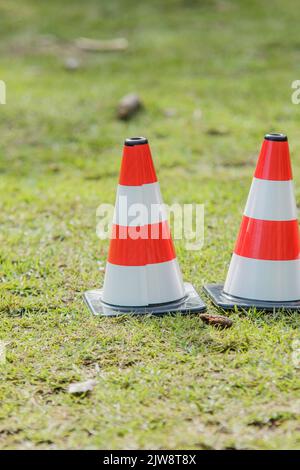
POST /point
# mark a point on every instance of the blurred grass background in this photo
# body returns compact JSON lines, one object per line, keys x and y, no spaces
{"x":214,"y":77}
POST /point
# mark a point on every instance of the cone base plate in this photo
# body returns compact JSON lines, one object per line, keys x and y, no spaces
{"x":226,"y":302}
{"x":191,"y":303}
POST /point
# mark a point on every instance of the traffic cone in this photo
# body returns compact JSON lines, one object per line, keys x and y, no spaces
{"x":265,"y":267}
{"x":142,"y":273}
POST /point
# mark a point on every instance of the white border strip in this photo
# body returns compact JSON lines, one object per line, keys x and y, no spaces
{"x":271,"y":200}
{"x":142,"y":285}
{"x":139,"y":205}
{"x":263,"y":279}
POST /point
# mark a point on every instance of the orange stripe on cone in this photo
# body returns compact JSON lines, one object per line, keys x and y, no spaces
{"x":268,"y":239}
{"x":138,"y":246}
{"x":137,"y":166}
{"x":274,"y":161}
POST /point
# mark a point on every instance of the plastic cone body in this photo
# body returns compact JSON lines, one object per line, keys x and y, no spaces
{"x":265,"y":264}
{"x":142,"y":268}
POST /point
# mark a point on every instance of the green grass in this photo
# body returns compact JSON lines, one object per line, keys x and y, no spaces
{"x":161,"y":383}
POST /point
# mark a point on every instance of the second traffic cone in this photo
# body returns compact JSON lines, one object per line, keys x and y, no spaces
{"x":142,"y":273}
{"x":265,"y":267}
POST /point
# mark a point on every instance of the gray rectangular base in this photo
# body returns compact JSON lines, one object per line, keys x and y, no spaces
{"x":227,"y":302}
{"x":191,"y":303}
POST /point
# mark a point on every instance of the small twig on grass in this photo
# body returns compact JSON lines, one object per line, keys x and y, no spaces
{"x":97,"y":45}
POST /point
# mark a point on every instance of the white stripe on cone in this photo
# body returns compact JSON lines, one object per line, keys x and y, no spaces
{"x":142,"y":285}
{"x":271,"y":200}
{"x":263,"y":279}
{"x":139,"y":205}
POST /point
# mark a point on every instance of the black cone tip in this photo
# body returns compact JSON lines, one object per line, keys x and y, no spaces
{"x":276,"y":137}
{"x":135,"y":141}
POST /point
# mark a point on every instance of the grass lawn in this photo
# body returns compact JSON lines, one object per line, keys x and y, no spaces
{"x":167,"y":382}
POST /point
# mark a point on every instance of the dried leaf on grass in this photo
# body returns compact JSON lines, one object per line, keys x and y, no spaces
{"x":216,"y":320}
{"x":128,"y":106}
{"x":79,"y":388}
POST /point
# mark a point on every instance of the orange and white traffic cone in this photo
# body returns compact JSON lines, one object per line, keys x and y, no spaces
{"x":265,"y":267}
{"x":142,"y":273}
